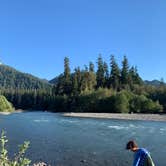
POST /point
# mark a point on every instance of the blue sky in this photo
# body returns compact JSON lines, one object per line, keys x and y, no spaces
{"x":36,"y":35}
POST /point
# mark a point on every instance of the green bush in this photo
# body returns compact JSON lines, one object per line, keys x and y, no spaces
{"x":89,"y":101}
{"x":151,"y":107}
{"x":136,"y":103}
{"x":141,"y":104}
{"x":121,"y":103}
{"x":5,"y":105}
{"x":19,"y":159}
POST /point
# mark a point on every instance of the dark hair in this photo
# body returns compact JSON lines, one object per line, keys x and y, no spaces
{"x":131,"y":144}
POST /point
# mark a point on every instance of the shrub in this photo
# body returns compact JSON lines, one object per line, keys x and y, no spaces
{"x":19,"y":159}
{"x":5,"y":105}
{"x":121,"y":103}
{"x":141,"y":104}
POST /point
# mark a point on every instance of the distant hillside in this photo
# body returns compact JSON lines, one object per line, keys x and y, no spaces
{"x":54,"y":80}
{"x":155,"y":83}
{"x":10,"y":78}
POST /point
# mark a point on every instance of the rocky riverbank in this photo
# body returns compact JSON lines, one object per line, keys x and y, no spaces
{"x":146,"y":117}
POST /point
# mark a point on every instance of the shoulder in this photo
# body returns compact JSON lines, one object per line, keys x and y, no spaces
{"x":143,"y":151}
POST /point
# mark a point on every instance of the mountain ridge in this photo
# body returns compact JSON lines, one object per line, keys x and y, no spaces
{"x":13,"y":78}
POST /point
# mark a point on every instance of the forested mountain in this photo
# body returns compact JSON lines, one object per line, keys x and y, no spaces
{"x":110,"y":88}
{"x":155,"y":83}
{"x":54,"y":80}
{"x":13,"y":79}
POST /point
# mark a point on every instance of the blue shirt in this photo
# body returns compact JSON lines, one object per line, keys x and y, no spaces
{"x":140,"y":156}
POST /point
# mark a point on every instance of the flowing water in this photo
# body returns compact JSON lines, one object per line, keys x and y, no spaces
{"x":67,"y":141}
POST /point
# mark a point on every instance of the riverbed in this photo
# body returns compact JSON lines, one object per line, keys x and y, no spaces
{"x":73,"y":141}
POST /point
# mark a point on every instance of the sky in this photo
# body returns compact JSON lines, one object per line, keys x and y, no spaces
{"x":36,"y":35}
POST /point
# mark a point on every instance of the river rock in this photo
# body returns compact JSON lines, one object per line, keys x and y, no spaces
{"x":40,"y":164}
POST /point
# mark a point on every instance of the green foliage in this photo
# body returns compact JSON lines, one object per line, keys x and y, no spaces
{"x":29,"y":99}
{"x":108,"y":89}
{"x":115,"y":74}
{"x":5,"y":106}
{"x":125,"y":71}
{"x":88,"y":81}
{"x":141,"y":104}
{"x":151,"y":107}
{"x":19,"y":159}
{"x":67,"y":85}
{"x":121,"y":103}
{"x":66,"y":69}
{"x":134,"y":78}
{"x":90,"y":101}
{"x":106,"y":75}
{"x":13,"y":79}
{"x":158,"y":94}
{"x":100,"y":72}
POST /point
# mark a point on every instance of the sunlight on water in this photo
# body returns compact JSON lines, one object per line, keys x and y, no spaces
{"x":64,"y":141}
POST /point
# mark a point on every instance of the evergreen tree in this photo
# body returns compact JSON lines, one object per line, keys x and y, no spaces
{"x":79,"y":78}
{"x":59,"y":87}
{"x":134,"y":77}
{"x":66,"y":70}
{"x":106,"y":75}
{"x":115,"y":74}
{"x":75,"y":90}
{"x":92,"y":76}
{"x":67,"y":77}
{"x":91,"y":67}
{"x":125,"y":71}
{"x":84,"y":83}
{"x":100,"y":72}
{"x":85,"y":79}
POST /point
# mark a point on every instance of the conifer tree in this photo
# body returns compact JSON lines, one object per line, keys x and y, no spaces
{"x":66,"y":70}
{"x":134,"y":77}
{"x":100,"y":72}
{"x":92,"y":76}
{"x":91,"y":67}
{"x":106,"y":75}
{"x":67,"y":77}
{"x":115,"y":74}
{"x":125,"y":71}
{"x":75,"y":90}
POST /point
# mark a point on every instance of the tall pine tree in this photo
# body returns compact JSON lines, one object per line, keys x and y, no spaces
{"x":106,"y":75}
{"x":91,"y":67}
{"x":67,"y":77}
{"x":125,"y":71}
{"x":100,"y":72}
{"x":134,"y":76}
{"x":92,"y":77}
{"x":115,"y":74}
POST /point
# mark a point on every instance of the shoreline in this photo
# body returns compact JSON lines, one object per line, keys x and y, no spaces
{"x":15,"y":111}
{"x":143,"y":117}
{"x":118,"y":116}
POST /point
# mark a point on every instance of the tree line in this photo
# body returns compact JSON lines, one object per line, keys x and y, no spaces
{"x":88,"y":80}
{"x":109,"y":88}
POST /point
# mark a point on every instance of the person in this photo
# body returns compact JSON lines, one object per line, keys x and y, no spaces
{"x":141,"y":157}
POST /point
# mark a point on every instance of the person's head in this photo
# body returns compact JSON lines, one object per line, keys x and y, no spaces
{"x":131,"y":145}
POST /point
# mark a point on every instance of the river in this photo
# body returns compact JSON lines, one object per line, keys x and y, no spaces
{"x":67,"y":141}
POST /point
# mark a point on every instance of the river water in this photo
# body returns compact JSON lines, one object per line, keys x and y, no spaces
{"x":67,"y":141}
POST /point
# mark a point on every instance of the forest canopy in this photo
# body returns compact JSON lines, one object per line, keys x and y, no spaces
{"x":109,"y":88}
